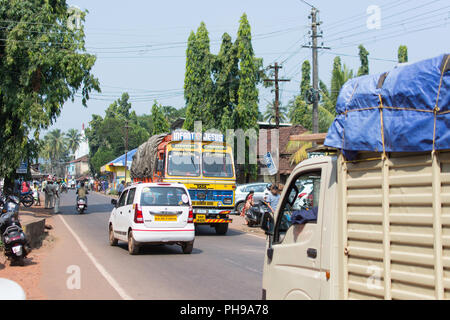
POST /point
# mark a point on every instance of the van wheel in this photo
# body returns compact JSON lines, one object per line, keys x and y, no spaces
{"x":221,"y":228}
{"x":187,"y":247}
{"x":133,"y":247}
{"x":112,"y":240}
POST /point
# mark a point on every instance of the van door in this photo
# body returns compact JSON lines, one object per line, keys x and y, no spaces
{"x":119,"y":214}
{"x":294,"y":269}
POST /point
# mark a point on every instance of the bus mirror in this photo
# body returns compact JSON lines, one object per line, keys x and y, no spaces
{"x":160,"y":165}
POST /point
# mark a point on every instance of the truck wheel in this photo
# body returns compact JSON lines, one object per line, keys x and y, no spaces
{"x":221,"y":228}
{"x":112,"y":240}
{"x":133,"y":247}
{"x":187,"y":247}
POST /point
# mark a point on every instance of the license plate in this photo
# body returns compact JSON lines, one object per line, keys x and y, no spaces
{"x":166,"y":218}
{"x":81,"y":205}
{"x":16,"y":249}
{"x":200,"y":218}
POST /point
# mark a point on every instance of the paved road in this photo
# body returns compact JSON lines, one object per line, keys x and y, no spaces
{"x":220,"y":267}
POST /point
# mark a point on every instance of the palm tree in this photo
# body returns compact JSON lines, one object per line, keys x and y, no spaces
{"x":299,"y":149}
{"x":74,"y":139}
{"x":54,"y":148}
{"x":269,"y":115}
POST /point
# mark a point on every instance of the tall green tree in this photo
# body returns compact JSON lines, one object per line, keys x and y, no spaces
{"x":120,"y":108}
{"x":339,"y":76}
{"x":402,"y":54}
{"x":43,"y":64}
{"x":269,"y":114}
{"x":246,"y":111}
{"x":198,"y":85}
{"x":363,"y":57}
{"x":55,"y":150}
{"x":305,"y":84}
{"x":225,"y":72}
{"x":160,"y":124}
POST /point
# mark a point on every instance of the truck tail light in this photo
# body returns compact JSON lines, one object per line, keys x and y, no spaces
{"x":191,"y":215}
{"x":138,"y":217}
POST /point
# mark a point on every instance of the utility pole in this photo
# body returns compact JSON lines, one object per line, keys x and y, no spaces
{"x":126,"y":148}
{"x":315,"y":62}
{"x":276,"y":67}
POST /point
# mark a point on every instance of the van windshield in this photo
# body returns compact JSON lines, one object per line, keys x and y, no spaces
{"x":164,"y":196}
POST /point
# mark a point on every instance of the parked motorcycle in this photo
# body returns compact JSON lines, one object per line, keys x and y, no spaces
{"x":254,"y":215}
{"x":81,"y":205}
{"x":15,"y":242}
{"x":27,"y":199}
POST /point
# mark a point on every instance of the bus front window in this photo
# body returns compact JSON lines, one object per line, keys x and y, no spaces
{"x":183,"y":163}
{"x":216,"y":164}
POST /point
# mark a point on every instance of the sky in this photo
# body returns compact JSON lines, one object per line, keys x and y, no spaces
{"x":140,"y":45}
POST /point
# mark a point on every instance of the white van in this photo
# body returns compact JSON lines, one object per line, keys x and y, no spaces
{"x":153,"y":213}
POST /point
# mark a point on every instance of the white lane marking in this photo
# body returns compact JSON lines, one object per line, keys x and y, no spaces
{"x":242,"y":266}
{"x":99,"y":267}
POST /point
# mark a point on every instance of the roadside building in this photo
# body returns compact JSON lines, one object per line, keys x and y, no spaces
{"x":116,"y":169}
{"x":78,"y":168}
{"x":267,"y":143}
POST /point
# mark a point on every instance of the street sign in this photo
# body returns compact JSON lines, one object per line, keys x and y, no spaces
{"x":270,"y":164}
{"x":22,"y":169}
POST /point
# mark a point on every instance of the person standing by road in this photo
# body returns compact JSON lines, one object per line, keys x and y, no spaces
{"x":273,"y":198}
{"x":49,"y":195}
{"x":121,"y":187}
{"x":56,"y":194}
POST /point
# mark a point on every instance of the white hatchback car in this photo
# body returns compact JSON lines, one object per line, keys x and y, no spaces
{"x":153,"y":213}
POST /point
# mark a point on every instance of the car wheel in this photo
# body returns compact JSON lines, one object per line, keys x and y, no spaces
{"x":239,"y":207}
{"x":221,"y":228}
{"x":112,"y":240}
{"x":187,"y":247}
{"x":133,"y":247}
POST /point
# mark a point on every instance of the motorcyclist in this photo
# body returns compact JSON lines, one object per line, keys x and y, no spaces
{"x":82,"y":193}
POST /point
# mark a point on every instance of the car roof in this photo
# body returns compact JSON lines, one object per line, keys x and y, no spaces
{"x":157,"y":184}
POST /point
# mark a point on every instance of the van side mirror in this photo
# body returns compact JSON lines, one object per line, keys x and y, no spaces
{"x":267,"y":223}
{"x":114,"y":202}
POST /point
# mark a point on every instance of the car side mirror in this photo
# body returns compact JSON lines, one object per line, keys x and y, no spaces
{"x":114,"y":202}
{"x":267,"y":223}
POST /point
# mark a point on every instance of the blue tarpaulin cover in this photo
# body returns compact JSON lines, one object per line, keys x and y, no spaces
{"x":409,"y":111}
{"x":120,"y":161}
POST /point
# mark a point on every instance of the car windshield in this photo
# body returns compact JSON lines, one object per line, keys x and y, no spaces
{"x":216,"y":164}
{"x":164,"y":196}
{"x":183,"y":163}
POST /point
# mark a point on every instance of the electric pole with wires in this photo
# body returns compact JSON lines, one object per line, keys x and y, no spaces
{"x":276,"y":67}
{"x":314,"y":96}
{"x":126,"y":148}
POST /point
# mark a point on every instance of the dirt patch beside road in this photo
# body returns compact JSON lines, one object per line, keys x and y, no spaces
{"x":28,"y":276}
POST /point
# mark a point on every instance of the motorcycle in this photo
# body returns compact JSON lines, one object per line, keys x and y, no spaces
{"x":27,"y":199}
{"x":81,"y":205}
{"x":254,"y":215}
{"x":15,"y":242}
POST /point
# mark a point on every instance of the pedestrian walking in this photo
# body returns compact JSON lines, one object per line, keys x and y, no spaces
{"x":56,"y":194}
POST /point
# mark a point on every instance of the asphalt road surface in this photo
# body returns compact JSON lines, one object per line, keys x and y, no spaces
{"x":220,"y":267}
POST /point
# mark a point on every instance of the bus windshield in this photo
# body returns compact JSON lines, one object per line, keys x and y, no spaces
{"x":215,"y":164}
{"x":183,"y":163}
